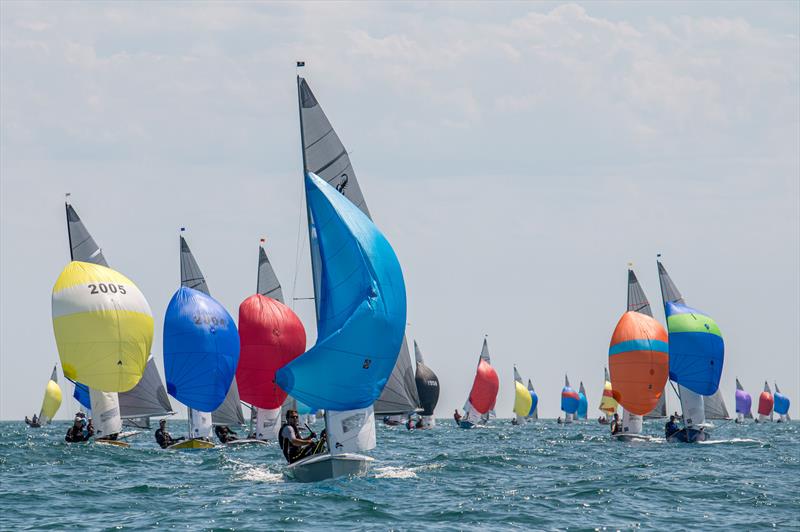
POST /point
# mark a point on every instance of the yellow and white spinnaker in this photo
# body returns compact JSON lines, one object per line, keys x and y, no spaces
{"x":51,"y":401}
{"x":522,"y":400}
{"x":103,"y":327}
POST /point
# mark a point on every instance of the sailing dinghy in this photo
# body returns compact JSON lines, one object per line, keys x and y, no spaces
{"x":608,"y":404}
{"x":696,"y":357}
{"x":744,"y":403}
{"x":201,"y":351}
{"x":639,"y":361}
{"x":765,"y":404}
{"x":781,"y":405}
{"x":271,"y":336}
{"x":569,"y":402}
{"x":483,"y":395}
{"x":361,"y":317}
{"x":50,"y":403}
{"x":427,"y":390}
{"x":522,"y":400}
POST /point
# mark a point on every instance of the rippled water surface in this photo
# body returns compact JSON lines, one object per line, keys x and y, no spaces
{"x":539,"y":476}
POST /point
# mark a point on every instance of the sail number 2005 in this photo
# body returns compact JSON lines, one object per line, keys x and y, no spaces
{"x":106,"y":288}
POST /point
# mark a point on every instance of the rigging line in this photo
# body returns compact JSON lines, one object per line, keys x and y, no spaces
{"x":299,"y":241}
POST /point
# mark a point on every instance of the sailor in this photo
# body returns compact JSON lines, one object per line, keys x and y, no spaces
{"x":293,"y":446}
{"x":559,"y":420}
{"x":225,"y":434}
{"x":457,"y":416}
{"x":164,"y":438}
{"x":616,"y":426}
{"x":671,"y":427}
{"x":76,"y":432}
{"x":419,"y":424}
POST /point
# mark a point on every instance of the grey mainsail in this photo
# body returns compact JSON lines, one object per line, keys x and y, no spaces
{"x":714,"y":406}
{"x":660,"y":409}
{"x":325,"y":155}
{"x":82,"y":246}
{"x":637,"y":301}
{"x":427,"y":384}
{"x":400,"y":395}
{"x":147,"y":398}
{"x":230,"y":411}
{"x":323,"y":152}
{"x":267,"y":284}
{"x":669,"y":292}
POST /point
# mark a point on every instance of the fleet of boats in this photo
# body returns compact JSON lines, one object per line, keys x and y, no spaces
{"x":360,"y":367}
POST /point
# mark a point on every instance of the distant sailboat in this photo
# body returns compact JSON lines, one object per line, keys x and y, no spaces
{"x":325,"y":156}
{"x":781,"y":405}
{"x":608,"y":404}
{"x":201,"y":351}
{"x":639,"y":361}
{"x":50,"y":403}
{"x":483,"y":394}
{"x":427,"y":390}
{"x":569,"y":401}
{"x":533,"y":413}
{"x":744,"y":404}
{"x":523,"y":401}
{"x":271,"y":336}
{"x":765,"y":404}
{"x":583,"y":403}
{"x":696,"y":357}
{"x":361,"y":317}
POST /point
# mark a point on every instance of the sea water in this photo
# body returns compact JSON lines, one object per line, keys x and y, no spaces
{"x":538,"y":476}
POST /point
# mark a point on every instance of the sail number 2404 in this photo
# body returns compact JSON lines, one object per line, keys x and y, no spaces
{"x":105,"y":288}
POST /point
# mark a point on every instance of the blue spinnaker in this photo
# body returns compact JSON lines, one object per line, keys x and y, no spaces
{"x":81,"y":394}
{"x":362,"y":308}
{"x":583,"y":406}
{"x":781,"y":403}
{"x":569,"y":400}
{"x":696,"y":349}
{"x":534,"y":402}
{"x":201,"y":349}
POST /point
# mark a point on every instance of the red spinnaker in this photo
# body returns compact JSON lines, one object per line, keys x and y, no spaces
{"x":765,"y":403}
{"x":484,"y":388}
{"x":271,"y":335}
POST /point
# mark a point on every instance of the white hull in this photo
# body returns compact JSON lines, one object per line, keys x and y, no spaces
{"x":630,"y":437}
{"x":326,"y":466}
{"x":248,"y":441}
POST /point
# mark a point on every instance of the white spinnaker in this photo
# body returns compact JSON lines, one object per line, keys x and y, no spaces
{"x":351,"y":431}
{"x":693,"y":407}
{"x":200,"y":424}
{"x":631,"y":423}
{"x":105,"y":413}
{"x":268,"y":423}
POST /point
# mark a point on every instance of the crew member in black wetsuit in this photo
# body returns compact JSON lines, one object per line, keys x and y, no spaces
{"x":671,"y":427}
{"x":616,"y":426}
{"x":293,"y":446}
{"x":164,"y":438}
{"x":224,"y":433}
{"x":76,"y":432}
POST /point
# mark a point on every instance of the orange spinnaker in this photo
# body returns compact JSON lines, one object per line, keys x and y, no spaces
{"x":638,"y":359}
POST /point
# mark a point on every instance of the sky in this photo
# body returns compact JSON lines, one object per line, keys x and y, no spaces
{"x":517,"y":156}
